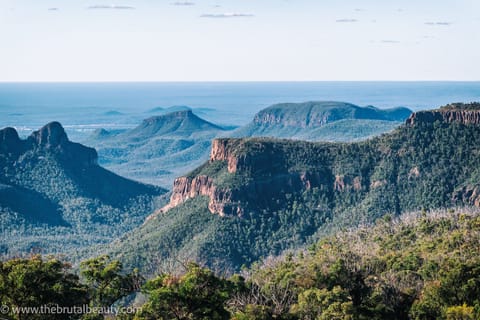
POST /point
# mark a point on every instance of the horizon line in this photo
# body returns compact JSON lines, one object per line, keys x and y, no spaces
{"x":216,"y":81}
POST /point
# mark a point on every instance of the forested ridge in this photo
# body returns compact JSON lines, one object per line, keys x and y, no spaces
{"x":55,"y":198}
{"x":276,"y":195}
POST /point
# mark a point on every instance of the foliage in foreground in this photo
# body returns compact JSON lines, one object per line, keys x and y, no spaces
{"x":419,"y":266}
{"x":37,"y":288}
{"x":424,"y":266}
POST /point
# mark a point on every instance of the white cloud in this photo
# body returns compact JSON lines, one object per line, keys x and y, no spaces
{"x":438,"y":23}
{"x":183,"y":3}
{"x":389,"y":41}
{"x":226,"y":15}
{"x":101,"y":6}
{"x":346,"y":20}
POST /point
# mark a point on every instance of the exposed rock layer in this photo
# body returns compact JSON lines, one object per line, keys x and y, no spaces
{"x":266,"y":161}
{"x":446,"y":115}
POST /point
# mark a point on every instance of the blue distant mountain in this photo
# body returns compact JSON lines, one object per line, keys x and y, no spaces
{"x":160,"y":148}
{"x":167,"y":145}
{"x":323,"y":121}
{"x":161,"y":110}
{"x":113,"y":113}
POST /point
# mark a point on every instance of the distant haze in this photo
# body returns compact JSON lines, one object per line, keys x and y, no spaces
{"x":248,"y":40}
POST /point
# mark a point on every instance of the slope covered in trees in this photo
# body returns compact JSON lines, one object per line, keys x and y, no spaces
{"x":160,"y":148}
{"x":54,"y":197}
{"x":322,"y":121}
{"x":422,"y":265}
{"x":270,"y":195}
{"x":166,"y":146}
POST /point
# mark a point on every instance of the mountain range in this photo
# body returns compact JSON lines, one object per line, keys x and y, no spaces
{"x":54,"y":196}
{"x":256,"y":197}
{"x":160,"y":148}
{"x":168,"y":145}
{"x":323,"y":121}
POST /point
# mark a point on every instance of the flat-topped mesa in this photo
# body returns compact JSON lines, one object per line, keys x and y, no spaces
{"x":467,"y":114}
{"x":314,"y":114}
{"x":257,"y":157}
{"x":305,"y":115}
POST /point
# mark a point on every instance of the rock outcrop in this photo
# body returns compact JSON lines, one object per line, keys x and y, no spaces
{"x":276,"y":179}
{"x":220,"y":201}
{"x":50,"y":139}
{"x":467,"y":114}
{"x":468,"y":194}
{"x":256,"y":172}
{"x":51,"y":136}
{"x":10,"y":141}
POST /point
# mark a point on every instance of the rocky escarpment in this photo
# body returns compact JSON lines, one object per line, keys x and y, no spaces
{"x":260,"y":173}
{"x":322,"y":121}
{"x":318,"y":113}
{"x":266,"y":161}
{"x":468,"y":114}
{"x":185,"y":188}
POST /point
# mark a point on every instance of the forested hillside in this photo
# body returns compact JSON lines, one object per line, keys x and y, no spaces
{"x":417,"y":266}
{"x":257,"y":197}
{"x":55,"y":198}
{"x":160,"y":148}
{"x":322,"y":121}
{"x":422,"y":265}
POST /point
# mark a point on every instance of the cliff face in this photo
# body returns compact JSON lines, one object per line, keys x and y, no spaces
{"x":467,"y":114}
{"x":468,"y":194}
{"x":315,"y":114}
{"x":261,"y":159}
{"x":222,"y":151}
{"x":263,"y":173}
{"x":272,"y":117}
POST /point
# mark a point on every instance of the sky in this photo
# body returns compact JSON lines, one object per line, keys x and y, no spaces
{"x":239,"y":40}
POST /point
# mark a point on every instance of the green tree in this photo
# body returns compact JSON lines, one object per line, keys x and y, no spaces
{"x":34,"y":282}
{"x":324,"y":304}
{"x":462,"y":312}
{"x":106,"y":282}
{"x":197,"y":294}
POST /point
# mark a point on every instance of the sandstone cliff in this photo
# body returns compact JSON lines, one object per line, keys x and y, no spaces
{"x":256,"y":172}
{"x":468,"y":114}
{"x":266,"y":173}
